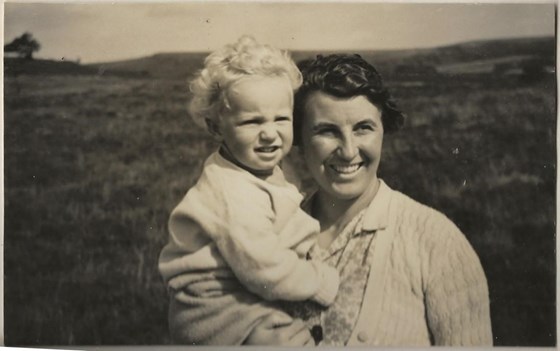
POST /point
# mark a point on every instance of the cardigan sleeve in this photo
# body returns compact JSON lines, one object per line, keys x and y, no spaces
{"x":277,"y":273}
{"x":456,"y":291}
{"x":238,"y":218}
{"x":262,"y":256}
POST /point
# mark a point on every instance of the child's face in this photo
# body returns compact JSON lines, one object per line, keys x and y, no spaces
{"x":258,"y":128}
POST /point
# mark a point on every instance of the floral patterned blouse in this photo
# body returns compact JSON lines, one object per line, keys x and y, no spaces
{"x":349,"y":254}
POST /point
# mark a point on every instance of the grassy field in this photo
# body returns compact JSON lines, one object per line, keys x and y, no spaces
{"x":93,"y":166}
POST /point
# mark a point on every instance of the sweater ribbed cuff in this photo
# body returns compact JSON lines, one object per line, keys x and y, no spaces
{"x":328,"y":284}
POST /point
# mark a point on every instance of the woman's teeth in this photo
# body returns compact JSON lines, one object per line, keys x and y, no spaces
{"x":346,"y":169}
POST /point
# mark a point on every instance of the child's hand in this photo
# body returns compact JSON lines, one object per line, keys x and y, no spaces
{"x":278,"y":319}
{"x":281,"y":330}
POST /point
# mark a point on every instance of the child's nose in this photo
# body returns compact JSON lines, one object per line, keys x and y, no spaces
{"x":268,"y":132}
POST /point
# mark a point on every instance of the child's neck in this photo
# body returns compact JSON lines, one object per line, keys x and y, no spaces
{"x":267,"y":175}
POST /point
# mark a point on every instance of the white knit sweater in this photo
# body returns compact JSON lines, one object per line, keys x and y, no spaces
{"x":426,"y":283}
{"x":232,"y":219}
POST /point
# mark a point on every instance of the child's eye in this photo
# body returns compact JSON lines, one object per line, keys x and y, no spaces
{"x":283,"y":119}
{"x":251,"y":121}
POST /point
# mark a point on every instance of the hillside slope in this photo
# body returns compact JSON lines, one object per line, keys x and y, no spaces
{"x":182,"y":65}
{"x":16,"y":66}
{"x":164,"y":65}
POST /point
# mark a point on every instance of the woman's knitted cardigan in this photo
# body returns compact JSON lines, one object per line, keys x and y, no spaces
{"x":426,"y":284}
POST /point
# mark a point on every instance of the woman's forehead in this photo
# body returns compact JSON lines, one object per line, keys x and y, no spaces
{"x":325,"y":108}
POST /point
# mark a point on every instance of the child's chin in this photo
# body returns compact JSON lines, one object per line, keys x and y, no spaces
{"x":267,"y":168}
{"x":267,"y":164}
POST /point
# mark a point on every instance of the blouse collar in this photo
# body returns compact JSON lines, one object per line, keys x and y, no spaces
{"x":376,"y":215}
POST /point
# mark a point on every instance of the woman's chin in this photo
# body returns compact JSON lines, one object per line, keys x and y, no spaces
{"x":346,"y":191}
{"x":352,"y":190}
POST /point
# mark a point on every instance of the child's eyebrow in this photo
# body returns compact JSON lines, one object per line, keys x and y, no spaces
{"x":250,"y":115}
{"x":250,"y":119}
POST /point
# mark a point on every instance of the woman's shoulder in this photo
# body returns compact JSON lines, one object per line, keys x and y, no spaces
{"x":430,"y":231}
{"x":409,"y":210}
{"x":418,"y":223}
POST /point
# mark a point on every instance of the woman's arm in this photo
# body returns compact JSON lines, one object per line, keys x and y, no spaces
{"x":456,"y":291}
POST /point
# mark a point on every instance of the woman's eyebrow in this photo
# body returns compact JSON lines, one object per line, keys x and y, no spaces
{"x":323,"y":125}
{"x":367,"y":121}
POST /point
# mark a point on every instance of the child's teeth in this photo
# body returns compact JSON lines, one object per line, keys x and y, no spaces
{"x":346,"y":169}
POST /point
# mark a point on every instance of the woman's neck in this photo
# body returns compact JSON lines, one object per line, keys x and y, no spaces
{"x":334,"y":213}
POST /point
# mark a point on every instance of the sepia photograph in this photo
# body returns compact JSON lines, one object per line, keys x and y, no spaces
{"x":297,"y":174}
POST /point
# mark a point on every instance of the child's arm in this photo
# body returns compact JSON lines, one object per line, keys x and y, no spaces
{"x":274,"y":272}
{"x":262,"y":259}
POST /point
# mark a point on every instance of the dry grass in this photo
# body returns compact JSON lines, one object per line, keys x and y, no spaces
{"x":95,"y":164}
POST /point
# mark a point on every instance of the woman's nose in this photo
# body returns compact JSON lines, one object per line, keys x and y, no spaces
{"x":347,"y":149}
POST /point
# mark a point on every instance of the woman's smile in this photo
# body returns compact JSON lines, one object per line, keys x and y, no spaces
{"x":347,"y":169}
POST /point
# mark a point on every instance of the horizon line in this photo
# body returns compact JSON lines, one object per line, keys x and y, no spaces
{"x":132,"y":58}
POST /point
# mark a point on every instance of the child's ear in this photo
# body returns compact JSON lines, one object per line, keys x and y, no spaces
{"x":213,"y":127}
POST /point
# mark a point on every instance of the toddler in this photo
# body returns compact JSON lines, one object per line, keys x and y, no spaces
{"x":238,"y":240}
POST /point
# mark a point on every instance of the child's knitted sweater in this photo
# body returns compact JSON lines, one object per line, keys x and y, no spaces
{"x":232,"y":224}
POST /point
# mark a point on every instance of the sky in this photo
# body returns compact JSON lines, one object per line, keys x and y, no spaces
{"x":104,"y":31}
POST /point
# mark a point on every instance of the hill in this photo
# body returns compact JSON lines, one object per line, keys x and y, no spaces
{"x":464,"y":58}
{"x":14,"y":66}
{"x":473,"y":51}
{"x":515,"y":51}
{"x":163,"y":65}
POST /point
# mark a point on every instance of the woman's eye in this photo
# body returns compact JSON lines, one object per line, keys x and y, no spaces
{"x":364,"y":128}
{"x":326,"y":132}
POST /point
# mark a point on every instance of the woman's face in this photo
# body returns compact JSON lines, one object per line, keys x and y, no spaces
{"x":341,"y":143}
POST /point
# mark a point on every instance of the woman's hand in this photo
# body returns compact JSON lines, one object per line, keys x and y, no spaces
{"x":279,"y":329}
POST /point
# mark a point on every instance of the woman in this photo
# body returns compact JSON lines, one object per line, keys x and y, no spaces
{"x":408,"y":275}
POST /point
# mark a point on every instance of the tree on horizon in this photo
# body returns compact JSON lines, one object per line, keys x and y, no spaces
{"x":24,"y":45}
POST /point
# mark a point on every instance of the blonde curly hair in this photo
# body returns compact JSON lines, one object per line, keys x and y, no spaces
{"x":228,"y":65}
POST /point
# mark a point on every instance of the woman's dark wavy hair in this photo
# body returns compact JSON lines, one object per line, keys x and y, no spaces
{"x":344,"y":76}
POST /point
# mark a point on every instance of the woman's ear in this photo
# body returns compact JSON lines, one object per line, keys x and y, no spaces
{"x":213,"y":128}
